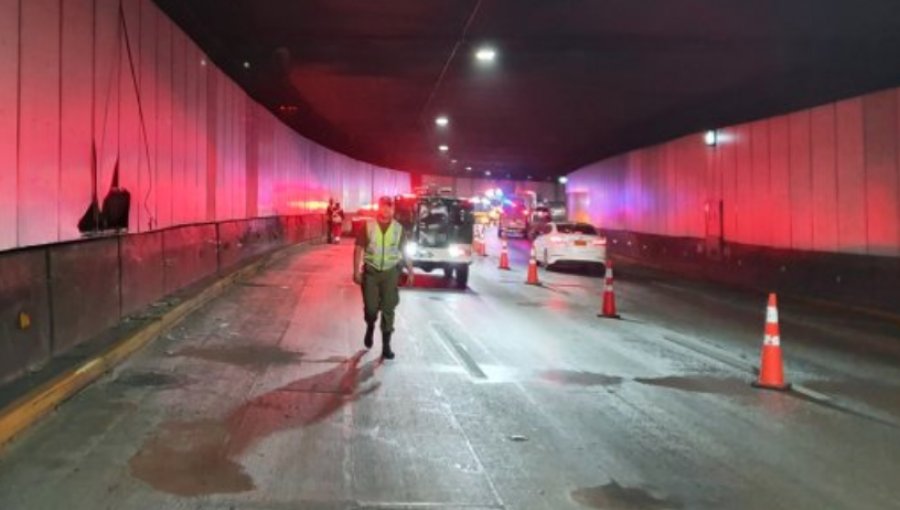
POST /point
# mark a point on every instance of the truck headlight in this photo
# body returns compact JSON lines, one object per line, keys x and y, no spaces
{"x":411,"y":249}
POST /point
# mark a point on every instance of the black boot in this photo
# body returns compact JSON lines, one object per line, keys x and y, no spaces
{"x":386,"y":351}
{"x":370,"y":333}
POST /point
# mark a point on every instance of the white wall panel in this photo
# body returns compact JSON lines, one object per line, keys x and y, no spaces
{"x":880,"y":138}
{"x":9,"y":117}
{"x":744,"y":197}
{"x":728,"y":167}
{"x":77,"y":98}
{"x":147,"y":202}
{"x":164,"y":121}
{"x":107,"y":66}
{"x":201,"y":112}
{"x":801,"y":198}
{"x":823,"y":137}
{"x":779,"y":211}
{"x":129,"y":132}
{"x":851,"y":177}
{"x":180,"y":195}
{"x":39,"y":123}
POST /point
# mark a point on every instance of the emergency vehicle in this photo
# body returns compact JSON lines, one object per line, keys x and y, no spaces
{"x":439,"y":232}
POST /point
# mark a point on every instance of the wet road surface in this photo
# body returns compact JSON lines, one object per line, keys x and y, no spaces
{"x":502,"y":396}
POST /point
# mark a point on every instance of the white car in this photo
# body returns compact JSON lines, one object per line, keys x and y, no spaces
{"x":576,"y":243}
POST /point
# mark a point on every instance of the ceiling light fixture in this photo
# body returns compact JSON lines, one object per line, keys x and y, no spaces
{"x":488,"y":173}
{"x":442,"y":121}
{"x":486,"y":54}
{"x":563,"y":179}
{"x":246,"y":65}
{"x":468,"y":169}
{"x":443,"y":148}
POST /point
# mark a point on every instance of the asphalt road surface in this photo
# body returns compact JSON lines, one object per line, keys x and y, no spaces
{"x":503,"y":396}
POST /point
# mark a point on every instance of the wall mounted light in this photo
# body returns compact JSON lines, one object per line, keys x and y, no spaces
{"x":711,"y":138}
{"x":563,"y":179}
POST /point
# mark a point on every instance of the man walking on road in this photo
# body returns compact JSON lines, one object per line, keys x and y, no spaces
{"x":376,"y":260}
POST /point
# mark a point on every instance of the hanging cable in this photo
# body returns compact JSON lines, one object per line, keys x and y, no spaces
{"x":137,"y":93}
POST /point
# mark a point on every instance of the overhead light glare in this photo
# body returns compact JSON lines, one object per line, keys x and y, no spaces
{"x":486,"y":54}
{"x":563,"y":179}
{"x":443,"y":148}
{"x":442,"y":121}
{"x":711,"y":138}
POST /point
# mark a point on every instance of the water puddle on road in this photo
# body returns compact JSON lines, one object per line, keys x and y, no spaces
{"x":189,"y":459}
{"x":250,"y":357}
{"x":571,"y":377}
{"x":192,"y":458}
{"x":613,"y":496}
{"x":700,"y":384}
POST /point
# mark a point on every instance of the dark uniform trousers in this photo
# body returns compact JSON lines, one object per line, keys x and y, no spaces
{"x":380,"y":292}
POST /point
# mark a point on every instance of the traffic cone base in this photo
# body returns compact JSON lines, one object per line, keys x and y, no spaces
{"x":504,"y":257}
{"x":532,"y":271}
{"x":783,"y":387}
{"x":609,"y":296}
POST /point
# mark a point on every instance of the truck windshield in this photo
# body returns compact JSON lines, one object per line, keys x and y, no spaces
{"x":441,"y":222}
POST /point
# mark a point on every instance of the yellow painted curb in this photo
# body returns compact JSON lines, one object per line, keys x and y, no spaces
{"x":31,"y":407}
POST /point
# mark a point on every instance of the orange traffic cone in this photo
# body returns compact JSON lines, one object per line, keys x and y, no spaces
{"x":609,"y":295}
{"x":532,"y":270}
{"x":504,"y":255}
{"x":483,"y":247}
{"x":771,"y":370}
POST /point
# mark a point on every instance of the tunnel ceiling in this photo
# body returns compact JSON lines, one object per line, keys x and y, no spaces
{"x":574,"y":81}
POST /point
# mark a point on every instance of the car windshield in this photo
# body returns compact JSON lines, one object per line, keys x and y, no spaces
{"x":576,"y":228}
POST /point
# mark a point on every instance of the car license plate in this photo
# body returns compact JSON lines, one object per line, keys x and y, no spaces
{"x":580,"y":243}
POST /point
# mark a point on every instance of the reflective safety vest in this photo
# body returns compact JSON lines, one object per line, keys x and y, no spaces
{"x":383,"y":250}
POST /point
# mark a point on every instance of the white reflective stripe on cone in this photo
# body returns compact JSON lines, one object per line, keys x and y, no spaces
{"x":771,"y":340}
{"x":771,"y":314}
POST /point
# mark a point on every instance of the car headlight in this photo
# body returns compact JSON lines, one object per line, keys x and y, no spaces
{"x":411,"y":249}
{"x":456,"y":251}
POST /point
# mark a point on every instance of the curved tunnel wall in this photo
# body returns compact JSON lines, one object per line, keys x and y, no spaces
{"x":215,"y":179}
{"x":207,"y":153}
{"x":806,"y":203}
{"x":825,"y":179}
